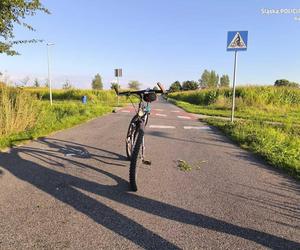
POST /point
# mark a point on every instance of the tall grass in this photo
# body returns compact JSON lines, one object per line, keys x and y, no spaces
{"x":279,"y":145}
{"x":250,"y":96}
{"x":18,"y":110}
{"x":23,"y":114}
{"x":94,"y":96}
{"x":278,"y":104}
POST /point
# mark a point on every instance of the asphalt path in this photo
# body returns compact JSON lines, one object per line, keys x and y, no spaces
{"x":70,"y":190}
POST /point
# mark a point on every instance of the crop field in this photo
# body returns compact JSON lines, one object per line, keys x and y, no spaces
{"x":269,"y":124}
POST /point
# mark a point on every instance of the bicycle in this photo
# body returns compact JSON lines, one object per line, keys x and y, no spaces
{"x":135,"y":141}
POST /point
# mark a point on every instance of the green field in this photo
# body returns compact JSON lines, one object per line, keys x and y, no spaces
{"x":27,"y":113}
{"x":269,"y":124}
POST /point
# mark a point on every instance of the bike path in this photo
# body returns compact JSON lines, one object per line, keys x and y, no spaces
{"x":70,"y":190}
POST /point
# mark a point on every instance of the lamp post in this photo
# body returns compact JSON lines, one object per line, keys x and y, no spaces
{"x":49,"y":76}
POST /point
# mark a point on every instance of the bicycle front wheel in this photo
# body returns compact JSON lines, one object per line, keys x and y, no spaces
{"x":136,"y":160}
{"x":131,"y":136}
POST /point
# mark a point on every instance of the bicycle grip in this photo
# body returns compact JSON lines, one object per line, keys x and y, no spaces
{"x":116,"y":89}
{"x":161,"y":87}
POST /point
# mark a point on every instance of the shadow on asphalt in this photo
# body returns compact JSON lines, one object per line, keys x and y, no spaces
{"x":290,"y":187}
{"x":166,"y":135}
{"x":48,"y":180}
{"x":261,"y":162}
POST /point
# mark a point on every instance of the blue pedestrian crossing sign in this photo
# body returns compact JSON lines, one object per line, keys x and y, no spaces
{"x":237,"y":40}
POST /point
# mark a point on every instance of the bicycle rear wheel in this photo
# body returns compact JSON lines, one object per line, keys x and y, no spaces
{"x":136,"y":160}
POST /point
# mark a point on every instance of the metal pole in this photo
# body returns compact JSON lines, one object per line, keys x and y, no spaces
{"x":49,"y":77}
{"x":118,"y":87}
{"x":234,"y":83}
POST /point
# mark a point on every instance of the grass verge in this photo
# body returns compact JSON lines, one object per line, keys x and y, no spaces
{"x":53,"y":118}
{"x":291,"y":116}
{"x":278,"y":145}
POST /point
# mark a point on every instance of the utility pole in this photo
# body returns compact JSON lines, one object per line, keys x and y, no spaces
{"x":49,"y":75}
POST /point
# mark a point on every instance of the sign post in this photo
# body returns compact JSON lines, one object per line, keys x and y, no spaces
{"x":118,"y":73}
{"x":236,"y":41}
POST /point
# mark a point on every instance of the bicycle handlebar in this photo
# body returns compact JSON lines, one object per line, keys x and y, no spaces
{"x":116,"y":89}
{"x":140,"y":92}
{"x":161,"y":87}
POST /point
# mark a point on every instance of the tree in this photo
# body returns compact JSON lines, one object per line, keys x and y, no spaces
{"x":47,"y":83}
{"x":12,"y":13}
{"x":114,"y":85}
{"x":134,"y":85}
{"x":190,"y":85}
{"x":281,"y":82}
{"x":224,"y":81}
{"x":286,"y":83}
{"x":204,"y":80}
{"x":209,"y":79}
{"x":67,"y":85}
{"x":36,"y":83}
{"x":175,"y":86}
{"x":155,"y":88}
{"x":214,"y":80}
{"x":97,"y":82}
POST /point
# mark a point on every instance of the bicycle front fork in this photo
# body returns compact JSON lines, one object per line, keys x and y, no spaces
{"x":143,"y":149}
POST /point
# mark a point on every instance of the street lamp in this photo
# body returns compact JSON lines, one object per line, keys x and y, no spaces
{"x":49,"y":77}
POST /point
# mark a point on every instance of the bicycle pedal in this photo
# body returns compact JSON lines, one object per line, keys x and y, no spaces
{"x":147,"y":162}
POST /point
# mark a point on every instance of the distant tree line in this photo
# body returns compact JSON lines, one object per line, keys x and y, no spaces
{"x":209,"y":79}
{"x":286,"y":83}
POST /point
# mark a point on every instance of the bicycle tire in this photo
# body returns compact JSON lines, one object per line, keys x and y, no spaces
{"x":136,"y":160}
{"x":129,"y":140}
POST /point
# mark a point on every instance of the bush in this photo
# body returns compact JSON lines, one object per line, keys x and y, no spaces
{"x":190,"y":85}
{"x":175,"y":86}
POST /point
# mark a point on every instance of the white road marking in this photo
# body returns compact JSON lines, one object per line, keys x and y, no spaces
{"x":158,"y":109}
{"x":175,"y":111}
{"x":161,"y":115}
{"x":162,"y":126}
{"x":125,"y":111}
{"x":183,"y":117}
{"x":193,"y":127}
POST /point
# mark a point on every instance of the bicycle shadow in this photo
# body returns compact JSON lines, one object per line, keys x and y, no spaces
{"x":48,"y":180}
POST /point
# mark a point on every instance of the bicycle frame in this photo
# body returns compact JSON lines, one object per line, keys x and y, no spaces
{"x":143,"y":113}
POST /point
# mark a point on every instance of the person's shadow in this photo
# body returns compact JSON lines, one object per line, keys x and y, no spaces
{"x":65,"y":188}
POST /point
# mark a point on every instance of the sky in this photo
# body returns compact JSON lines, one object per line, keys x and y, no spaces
{"x":157,"y":40}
